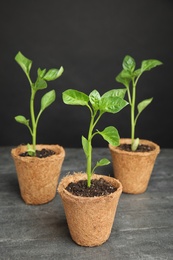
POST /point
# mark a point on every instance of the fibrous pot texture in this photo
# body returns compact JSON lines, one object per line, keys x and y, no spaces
{"x":38,"y":177}
{"x":134,"y":169}
{"x":89,"y":219}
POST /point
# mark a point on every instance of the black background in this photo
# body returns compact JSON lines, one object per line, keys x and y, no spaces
{"x":89,"y":39}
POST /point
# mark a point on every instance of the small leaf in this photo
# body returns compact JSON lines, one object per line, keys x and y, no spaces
{"x":40,"y":84}
{"x":103,"y":162}
{"x":112,"y":104}
{"x":53,"y":74}
{"x":94,"y":98}
{"x":143,"y":104}
{"x":48,"y":99}
{"x":137,"y":72}
{"x":115,"y":93}
{"x":135,"y":144}
{"x":22,"y":120}
{"x":41,"y":73}
{"x":110,"y":134}
{"x":85,"y":145}
{"x":129,"y":63}
{"x":149,"y":64}
{"x":75,"y":97}
{"x":124,"y":77}
{"x":24,"y":62}
{"x":30,"y":150}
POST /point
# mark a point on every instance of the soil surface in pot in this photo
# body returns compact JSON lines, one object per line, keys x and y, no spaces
{"x":141,"y":148}
{"x":40,"y":153}
{"x":98,"y":188}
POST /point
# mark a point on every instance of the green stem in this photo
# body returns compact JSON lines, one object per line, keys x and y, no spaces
{"x":90,"y":136}
{"x":89,"y":157}
{"x":133,"y":112}
{"x":34,"y":125}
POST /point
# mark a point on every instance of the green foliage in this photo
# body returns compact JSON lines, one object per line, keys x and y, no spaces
{"x":111,"y":102}
{"x":129,"y":77}
{"x":41,"y":83}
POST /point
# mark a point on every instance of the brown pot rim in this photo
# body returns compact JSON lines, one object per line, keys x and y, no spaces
{"x":83,"y":176}
{"x":23,"y":148}
{"x":141,"y":141}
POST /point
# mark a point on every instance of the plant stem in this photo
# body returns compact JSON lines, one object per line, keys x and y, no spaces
{"x":90,"y":136}
{"x":133,"y":112}
{"x":34,"y":126}
{"x":89,"y":157}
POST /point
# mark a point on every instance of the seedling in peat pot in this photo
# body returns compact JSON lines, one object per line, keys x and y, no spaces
{"x":111,"y":102}
{"x":129,"y":78}
{"x":41,"y":83}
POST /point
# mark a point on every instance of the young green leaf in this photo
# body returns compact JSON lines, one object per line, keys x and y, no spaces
{"x":30,"y":150}
{"x":22,"y":120}
{"x":103,"y":162}
{"x":48,"y":99}
{"x":137,"y":72}
{"x":112,"y":104}
{"x":85,"y":146}
{"x":149,"y":64}
{"x":111,"y":135}
{"x":75,"y":97}
{"x":129,"y":63}
{"x":115,"y":93}
{"x":124,"y":77}
{"x":135,"y":144}
{"x":40,"y":84}
{"x":53,"y":74}
{"x":143,"y":104}
{"x":41,"y":73}
{"x":94,"y":98}
{"x":24,"y":62}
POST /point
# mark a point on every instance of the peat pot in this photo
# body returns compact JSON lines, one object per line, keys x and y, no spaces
{"x":89,"y":219}
{"x":38,"y":177}
{"x":133,"y":169}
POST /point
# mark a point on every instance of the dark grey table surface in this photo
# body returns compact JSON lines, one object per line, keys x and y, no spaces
{"x":143,"y":226}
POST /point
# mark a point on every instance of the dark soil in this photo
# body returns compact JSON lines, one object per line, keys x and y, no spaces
{"x":98,"y":188}
{"x":141,"y":148}
{"x":40,"y":153}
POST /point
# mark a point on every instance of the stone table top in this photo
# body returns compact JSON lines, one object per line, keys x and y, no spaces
{"x":143,"y":226}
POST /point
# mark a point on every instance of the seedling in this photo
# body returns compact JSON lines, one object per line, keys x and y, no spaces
{"x":41,"y":83}
{"x":111,"y":102}
{"x":129,"y":78}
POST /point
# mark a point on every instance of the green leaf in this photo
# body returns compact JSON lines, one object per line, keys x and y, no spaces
{"x":48,"y":99}
{"x":137,"y":72}
{"x":124,"y":77}
{"x":143,"y":104}
{"x":149,"y":64}
{"x":30,"y":150}
{"x":24,"y":62}
{"x":53,"y":74}
{"x":22,"y":120}
{"x":129,"y":63}
{"x":115,"y":93}
{"x":110,"y":134}
{"x":112,"y":104}
{"x":102,"y":162}
{"x":41,"y":73}
{"x":75,"y":97}
{"x":40,"y":84}
{"x":135,"y":144}
{"x":85,"y":146}
{"x":94,"y":98}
